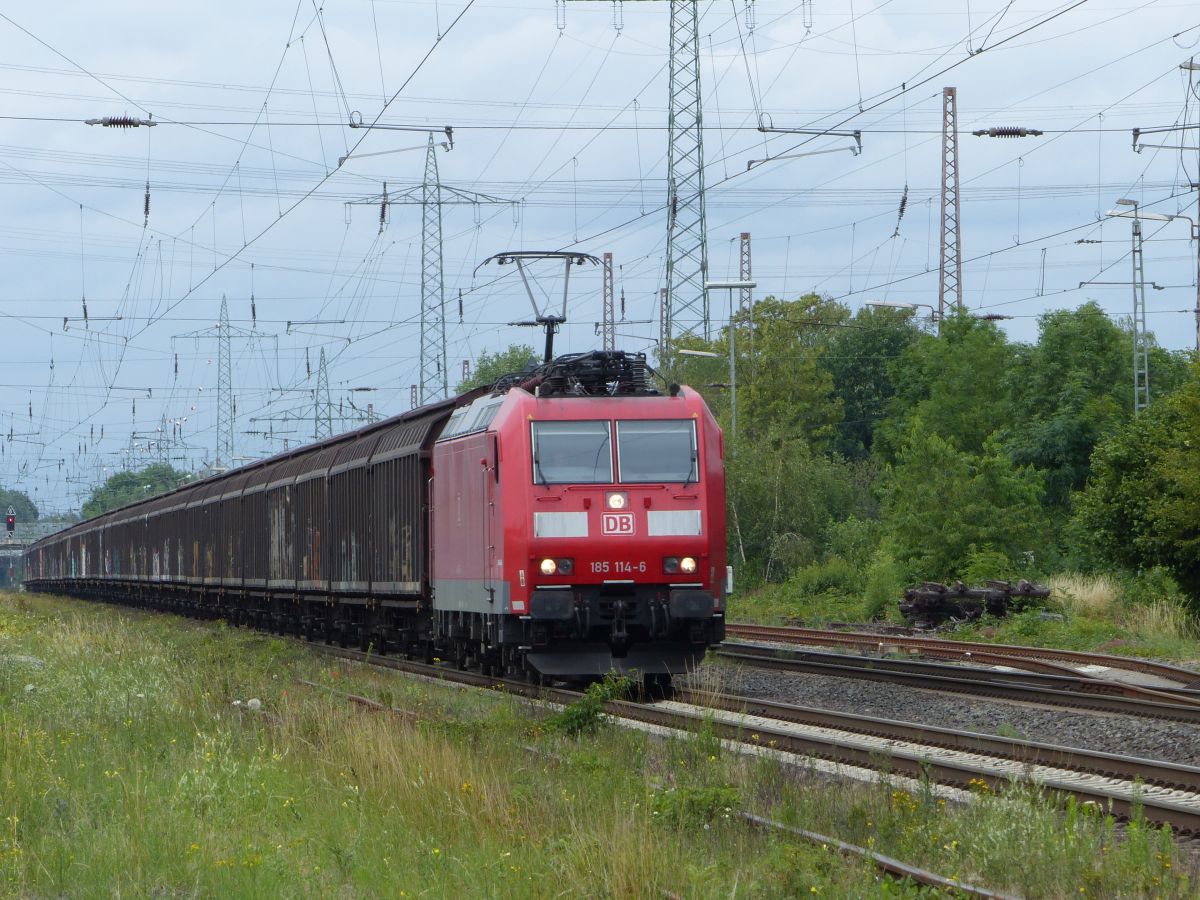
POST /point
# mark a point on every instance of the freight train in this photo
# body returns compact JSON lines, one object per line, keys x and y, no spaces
{"x":565,"y":522}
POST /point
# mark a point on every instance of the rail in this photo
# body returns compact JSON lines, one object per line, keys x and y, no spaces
{"x":1077,"y":692}
{"x":947,"y":649}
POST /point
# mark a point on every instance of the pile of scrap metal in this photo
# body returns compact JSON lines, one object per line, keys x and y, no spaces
{"x":932,"y":604}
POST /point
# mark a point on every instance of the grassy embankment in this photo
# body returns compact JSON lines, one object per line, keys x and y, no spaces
{"x":132,"y":764}
{"x":1146,"y":617}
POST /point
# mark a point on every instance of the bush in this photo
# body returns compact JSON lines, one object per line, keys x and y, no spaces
{"x":586,"y":715}
{"x":985,"y":564}
{"x":1151,"y":586}
{"x":943,"y":504}
{"x":854,"y":539}
{"x":835,"y":575}
{"x":885,"y":585}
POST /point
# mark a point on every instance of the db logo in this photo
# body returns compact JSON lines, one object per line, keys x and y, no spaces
{"x":617,"y":523}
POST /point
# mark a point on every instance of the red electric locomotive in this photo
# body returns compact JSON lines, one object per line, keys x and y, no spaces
{"x":579,"y":523}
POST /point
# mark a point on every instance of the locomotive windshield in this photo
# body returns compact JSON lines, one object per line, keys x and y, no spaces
{"x":572,"y":452}
{"x":657,"y":451}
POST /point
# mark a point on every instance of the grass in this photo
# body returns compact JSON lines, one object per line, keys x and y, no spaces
{"x":787,"y":604}
{"x":1086,"y":595}
{"x":133,"y":764}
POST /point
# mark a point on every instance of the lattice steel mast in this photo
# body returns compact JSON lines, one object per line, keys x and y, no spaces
{"x":226,"y":402}
{"x":1141,"y":340}
{"x":225,"y":409}
{"x":745,"y":273}
{"x":608,"y":319}
{"x":950,"y":277}
{"x":686,"y":308}
{"x":322,"y":407}
{"x":434,"y":383}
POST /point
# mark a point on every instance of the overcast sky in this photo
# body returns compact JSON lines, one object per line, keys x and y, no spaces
{"x":567,"y":125}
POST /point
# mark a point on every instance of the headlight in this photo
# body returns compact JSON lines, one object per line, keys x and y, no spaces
{"x":557,"y":566}
{"x":671,"y":565}
{"x":616,"y":500}
{"x":687,"y":565}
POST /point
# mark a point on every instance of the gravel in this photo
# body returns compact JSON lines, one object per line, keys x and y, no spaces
{"x":1123,"y":735}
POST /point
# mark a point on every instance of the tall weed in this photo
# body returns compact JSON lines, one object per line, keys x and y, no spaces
{"x":1161,"y":619}
{"x":1093,"y":595}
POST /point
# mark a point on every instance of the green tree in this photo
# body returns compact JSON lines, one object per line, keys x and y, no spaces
{"x":955,"y":384}
{"x":1072,"y":389}
{"x":492,"y":366}
{"x":784,"y":501}
{"x":1141,"y":507}
{"x":782,"y":389}
{"x":944,"y":507}
{"x":129,"y":487}
{"x":1169,"y":370}
{"x":20,"y":503}
{"x":859,"y":358}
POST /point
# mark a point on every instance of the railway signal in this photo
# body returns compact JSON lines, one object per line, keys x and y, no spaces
{"x":10,"y":520}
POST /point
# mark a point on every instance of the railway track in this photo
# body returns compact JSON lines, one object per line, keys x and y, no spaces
{"x":1068,"y":691}
{"x":1010,"y":654}
{"x":1167,"y":793}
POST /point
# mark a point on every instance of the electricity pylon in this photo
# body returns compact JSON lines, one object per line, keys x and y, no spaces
{"x":322,"y":407}
{"x":431,"y":194}
{"x":225,"y":334}
{"x":686,"y":309}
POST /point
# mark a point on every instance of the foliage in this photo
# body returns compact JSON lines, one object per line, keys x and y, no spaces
{"x":129,"y":487}
{"x":586,"y":714}
{"x":983,"y":564}
{"x":24,"y":508}
{"x":1074,"y":390}
{"x":885,"y":586}
{"x":690,"y":806}
{"x":492,"y":366}
{"x":783,"y":499}
{"x":786,"y":391}
{"x":835,"y":574}
{"x":943,"y":506}
{"x":1142,"y":505}
{"x":859,"y":360}
{"x":782,"y":390}
{"x":956,"y":385}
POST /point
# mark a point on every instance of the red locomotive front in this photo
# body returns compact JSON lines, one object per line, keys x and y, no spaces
{"x":582,"y":528}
